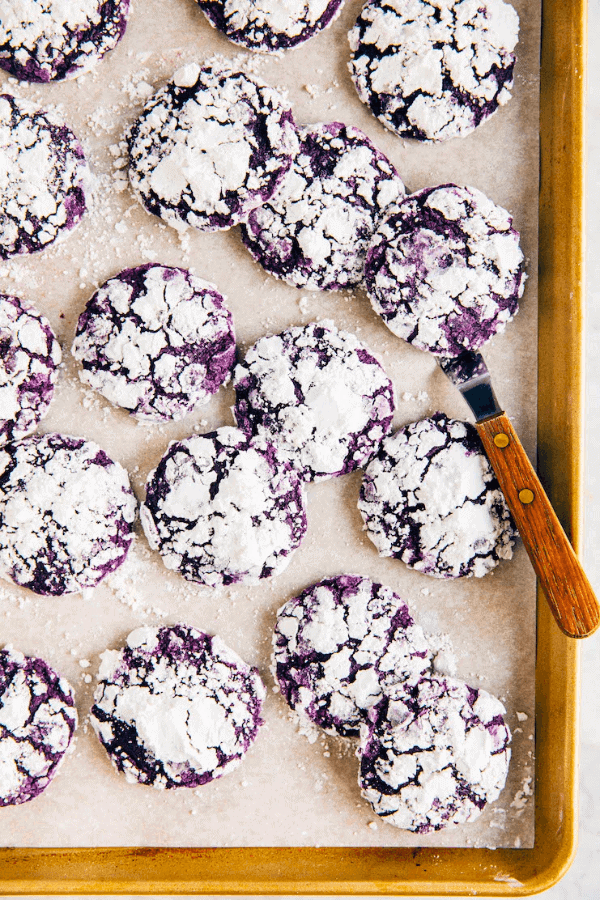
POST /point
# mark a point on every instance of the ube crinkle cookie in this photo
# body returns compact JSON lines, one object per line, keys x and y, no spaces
{"x":156,"y":340}
{"x":45,"y":40}
{"x":340,"y":646}
{"x":209,"y":147}
{"x":430,"y":498}
{"x":318,"y":395}
{"x":445,"y":269}
{"x":29,"y":359}
{"x":435,"y":755}
{"x":434,"y":69}
{"x":37,"y":722}
{"x":66,"y":514}
{"x":176,"y":707}
{"x":221,"y":510}
{"x":315,"y":231}
{"x":270,"y":25}
{"x":43,"y":177}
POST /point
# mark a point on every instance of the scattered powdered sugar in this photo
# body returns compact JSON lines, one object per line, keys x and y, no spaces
{"x":30,"y":355}
{"x":318,"y":395}
{"x":156,"y":340}
{"x":176,"y":707}
{"x":37,"y":722}
{"x":430,"y":498}
{"x":315,"y":231}
{"x":66,"y":514}
{"x":434,"y":69}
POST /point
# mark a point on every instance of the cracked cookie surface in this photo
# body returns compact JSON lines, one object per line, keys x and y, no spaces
{"x":156,"y":340}
{"x":66,"y":514}
{"x":176,"y":707}
{"x":270,"y":25}
{"x":37,"y":721}
{"x":434,"y":69}
{"x":209,"y":147}
{"x":445,"y":269}
{"x":221,"y":510}
{"x":43,"y":177}
{"x":29,"y":357}
{"x":429,"y":497}
{"x":342,"y":644}
{"x":315,"y":231}
{"x":45,"y":40}
{"x":318,"y":395}
{"x":435,"y":755}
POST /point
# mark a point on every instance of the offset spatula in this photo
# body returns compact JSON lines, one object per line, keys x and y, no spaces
{"x":561,"y":576}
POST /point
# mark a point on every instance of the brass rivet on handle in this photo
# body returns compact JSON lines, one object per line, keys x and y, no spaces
{"x":501,"y":440}
{"x":526,"y":496}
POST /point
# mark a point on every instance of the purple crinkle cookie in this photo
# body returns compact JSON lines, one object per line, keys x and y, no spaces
{"x":430,"y":498}
{"x":37,"y":722}
{"x":176,"y":707}
{"x":430,"y":70}
{"x":221,"y":509}
{"x":445,"y":270}
{"x":315,"y":231}
{"x":318,"y":395}
{"x":435,"y":755}
{"x":66,"y":514}
{"x":272,"y":25}
{"x":340,"y":646}
{"x":45,"y":40}
{"x":209,"y":147}
{"x":29,"y":357}
{"x":44,"y":178}
{"x":156,"y":340}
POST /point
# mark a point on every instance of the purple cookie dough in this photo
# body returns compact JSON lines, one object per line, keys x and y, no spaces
{"x":37,"y":722}
{"x":434,"y":69}
{"x":431,"y":499}
{"x":340,"y":646}
{"x":176,"y":707}
{"x":45,"y":40}
{"x":270,"y":25}
{"x":209,"y":147}
{"x":66,"y":514}
{"x":29,"y":357}
{"x":43,"y":178}
{"x":315,"y":231}
{"x":445,"y":270}
{"x":435,"y":755}
{"x":318,"y":395}
{"x":221,"y":509}
{"x":156,"y":340}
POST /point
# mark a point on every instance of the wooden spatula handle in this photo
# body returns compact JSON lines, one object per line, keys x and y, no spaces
{"x":561,"y":576}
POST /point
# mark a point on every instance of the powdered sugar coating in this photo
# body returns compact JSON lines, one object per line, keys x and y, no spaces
{"x":315,"y":231}
{"x":176,"y":707}
{"x":156,"y":340}
{"x":340,"y":645}
{"x":318,"y":395}
{"x":434,"y":756}
{"x":222,"y":510}
{"x":29,"y":357}
{"x":66,"y":514}
{"x":45,"y":40}
{"x":37,"y":722}
{"x":43,"y":177}
{"x":434,"y":69}
{"x":445,"y":270}
{"x":209,"y":147}
{"x":270,"y":25}
{"x":431,"y":499}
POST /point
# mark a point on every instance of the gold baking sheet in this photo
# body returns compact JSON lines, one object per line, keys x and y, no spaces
{"x":426,"y":871}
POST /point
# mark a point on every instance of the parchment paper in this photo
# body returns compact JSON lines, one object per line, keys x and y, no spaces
{"x":288,"y":791}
